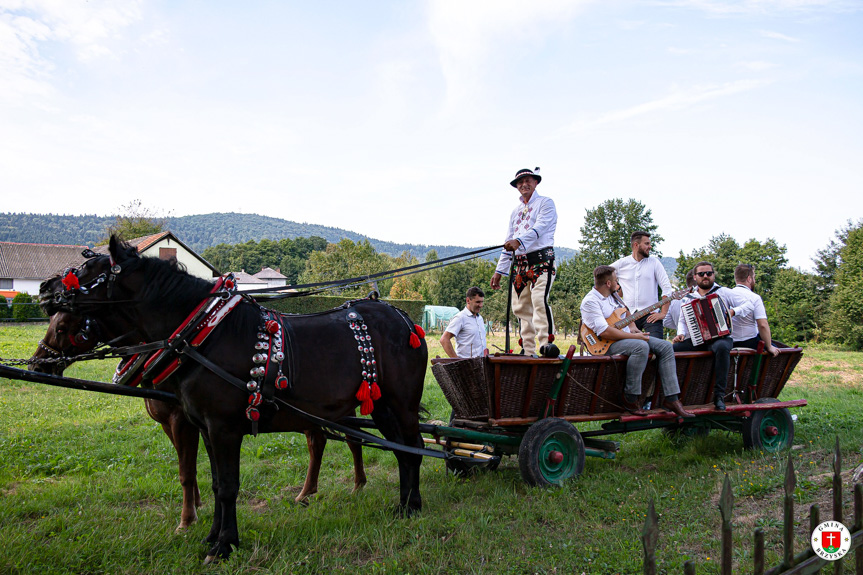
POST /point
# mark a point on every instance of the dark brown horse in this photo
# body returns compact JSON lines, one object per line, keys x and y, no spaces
{"x":125,"y":293}
{"x":69,"y":336}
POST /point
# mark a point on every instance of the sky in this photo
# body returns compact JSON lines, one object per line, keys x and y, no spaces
{"x":406,"y":120}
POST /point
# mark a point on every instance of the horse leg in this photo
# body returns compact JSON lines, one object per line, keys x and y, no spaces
{"x":404,"y":430}
{"x":225,"y":452}
{"x":359,"y":468}
{"x":317,"y":442}
{"x":185,"y":437}
{"x":213,"y":535}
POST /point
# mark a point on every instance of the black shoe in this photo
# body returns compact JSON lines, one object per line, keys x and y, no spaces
{"x":549,"y":350}
{"x":719,"y":403}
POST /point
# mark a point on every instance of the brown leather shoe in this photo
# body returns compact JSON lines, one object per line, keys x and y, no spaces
{"x":633,"y":408}
{"x":677,"y":408}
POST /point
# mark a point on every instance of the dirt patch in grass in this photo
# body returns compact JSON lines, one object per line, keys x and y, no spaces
{"x":844,"y":371}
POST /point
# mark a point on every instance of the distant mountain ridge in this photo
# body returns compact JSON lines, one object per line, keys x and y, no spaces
{"x":202,"y":231}
{"x":206,"y":230}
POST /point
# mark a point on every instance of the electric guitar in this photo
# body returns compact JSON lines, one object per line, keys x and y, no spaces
{"x":620,"y":318}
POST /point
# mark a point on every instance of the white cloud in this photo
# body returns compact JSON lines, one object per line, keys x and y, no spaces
{"x":677,"y":100}
{"x":467,"y":33}
{"x":777,"y":36}
{"x":728,"y":7}
{"x":85,"y":26}
{"x":756,"y":65}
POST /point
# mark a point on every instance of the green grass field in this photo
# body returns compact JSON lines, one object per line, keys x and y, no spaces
{"x":89,"y":485}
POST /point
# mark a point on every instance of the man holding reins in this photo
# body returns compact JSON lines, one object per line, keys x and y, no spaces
{"x":530,"y":240}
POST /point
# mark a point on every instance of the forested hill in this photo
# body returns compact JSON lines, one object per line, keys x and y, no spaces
{"x":201,"y":231}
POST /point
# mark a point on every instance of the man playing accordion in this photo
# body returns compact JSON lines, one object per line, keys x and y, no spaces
{"x":720,"y":346}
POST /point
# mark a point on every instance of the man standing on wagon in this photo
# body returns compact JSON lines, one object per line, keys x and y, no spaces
{"x":530,"y":240}
{"x":641,"y":276}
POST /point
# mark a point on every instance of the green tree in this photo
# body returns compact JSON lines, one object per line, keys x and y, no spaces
{"x":846,"y":301}
{"x":827,"y":260}
{"x":791,"y":307}
{"x":725,"y":254}
{"x":24,"y":308}
{"x":135,"y":220}
{"x":345,"y":259}
{"x":607,"y":228}
{"x":5,"y":310}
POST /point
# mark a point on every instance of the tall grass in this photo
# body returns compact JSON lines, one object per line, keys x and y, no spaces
{"x":89,"y":485}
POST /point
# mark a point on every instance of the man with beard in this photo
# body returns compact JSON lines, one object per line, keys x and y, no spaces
{"x":640,"y":277}
{"x":720,"y":346}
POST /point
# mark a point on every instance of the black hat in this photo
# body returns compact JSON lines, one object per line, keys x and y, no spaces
{"x":526,"y":172}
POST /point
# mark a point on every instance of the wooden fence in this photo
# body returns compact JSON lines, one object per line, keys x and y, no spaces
{"x":804,"y":562}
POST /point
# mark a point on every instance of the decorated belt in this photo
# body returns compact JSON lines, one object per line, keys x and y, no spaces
{"x":540,"y":256}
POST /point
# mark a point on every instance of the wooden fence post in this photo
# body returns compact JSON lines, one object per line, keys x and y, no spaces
{"x":858,"y":524}
{"x":839,"y":567}
{"x":788,"y":513}
{"x":726,"y":506}
{"x":758,"y":557}
{"x":649,"y":538}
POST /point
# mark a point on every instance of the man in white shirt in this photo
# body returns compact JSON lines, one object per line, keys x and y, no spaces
{"x":530,"y":240}
{"x":750,"y":330}
{"x":673,"y":315}
{"x":641,"y":276}
{"x":599,"y":303}
{"x":467,"y":327}
{"x":720,"y":346}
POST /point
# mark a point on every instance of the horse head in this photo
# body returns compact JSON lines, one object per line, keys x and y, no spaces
{"x":67,"y":336}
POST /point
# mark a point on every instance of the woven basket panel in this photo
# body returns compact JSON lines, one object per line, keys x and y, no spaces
{"x":775,"y":368}
{"x":701,"y":376}
{"x":464,"y":386}
{"x":514,"y":381}
{"x":579,"y":392}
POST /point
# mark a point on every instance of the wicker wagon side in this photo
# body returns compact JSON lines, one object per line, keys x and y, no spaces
{"x":463,"y":383}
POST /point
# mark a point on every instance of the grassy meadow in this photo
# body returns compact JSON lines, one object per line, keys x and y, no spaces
{"x":88,"y":484}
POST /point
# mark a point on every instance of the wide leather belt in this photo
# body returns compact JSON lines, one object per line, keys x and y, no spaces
{"x":542,"y":255}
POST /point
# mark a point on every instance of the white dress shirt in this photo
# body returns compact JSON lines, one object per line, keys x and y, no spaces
{"x":741,"y":309}
{"x":640,"y":281}
{"x":673,"y":316}
{"x":745,"y":327}
{"x":469,"y":332}
{"x":532,"y":225}
{"x":595,"y":308}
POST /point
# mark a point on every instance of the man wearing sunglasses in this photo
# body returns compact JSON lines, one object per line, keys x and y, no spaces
{"x":752,"y":329}
{"x":720,"y":346}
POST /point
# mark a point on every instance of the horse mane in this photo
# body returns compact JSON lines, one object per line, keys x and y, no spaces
{"x":167,"y":283}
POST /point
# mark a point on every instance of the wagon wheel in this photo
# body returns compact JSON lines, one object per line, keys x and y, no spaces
{"x":551,"y":452}
{"x":771,"y":430}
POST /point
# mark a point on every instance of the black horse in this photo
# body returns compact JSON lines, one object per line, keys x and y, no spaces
{"x":125,"y":293}
{"x":68,"y":336}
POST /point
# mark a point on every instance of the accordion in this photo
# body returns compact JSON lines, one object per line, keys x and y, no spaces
{"x":705,"y":318}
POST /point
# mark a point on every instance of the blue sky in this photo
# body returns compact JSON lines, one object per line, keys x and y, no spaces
{"x":405,"y":121}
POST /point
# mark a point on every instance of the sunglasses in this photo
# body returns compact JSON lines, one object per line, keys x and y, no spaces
{"x":703,"y":274}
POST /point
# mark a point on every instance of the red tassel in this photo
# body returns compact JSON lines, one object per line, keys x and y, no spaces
{"x":366,"y":407}
{"x":363,"y":393}
{"x":520,"y":343}
{"x":71,"y":281}
{"x":375,"y":392}
{"x":415,"y":341}
{"x":420,"y":331}
{"x":551,"y":338}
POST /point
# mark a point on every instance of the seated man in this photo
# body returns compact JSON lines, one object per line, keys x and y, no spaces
{"x":720,"y":346}
{"x":752,"y":329}
{"x":467,"y":327}
{"x":673,"y":316}
{"x":599,"y":304}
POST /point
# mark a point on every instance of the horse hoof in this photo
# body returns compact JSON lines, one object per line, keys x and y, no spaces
{"x":210,"y":559}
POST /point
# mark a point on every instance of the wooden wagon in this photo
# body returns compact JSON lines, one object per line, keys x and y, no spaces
{"x":514,"y":405}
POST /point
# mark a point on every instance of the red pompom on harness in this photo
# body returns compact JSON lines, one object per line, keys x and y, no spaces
{"x":415,"y":337}
{"x":71,"y":281}
{"x":369,"y":391}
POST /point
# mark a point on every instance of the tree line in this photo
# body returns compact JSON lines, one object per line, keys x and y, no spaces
{"x":821,"y":306}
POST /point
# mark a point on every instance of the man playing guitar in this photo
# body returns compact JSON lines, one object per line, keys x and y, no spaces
{"x":599,"y":304}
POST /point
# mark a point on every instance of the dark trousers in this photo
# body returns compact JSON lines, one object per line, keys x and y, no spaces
{"x":721,"y":348}
{"x":750,"y":343}
{"x":652,"y":329}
